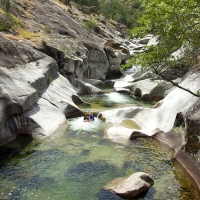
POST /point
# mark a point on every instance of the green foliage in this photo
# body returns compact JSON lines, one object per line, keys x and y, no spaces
{"x":47,"y":29}
{"x":44,"y":43}
{"x":50,"y":79}
{"x":5,"y":5}
{"x":5,"y":22}
{"x":178,"y":23}
{"x":87,"y":2}
{"x":198,"y":93}
{"x":90,"y":25}
{"x":125,"y":12}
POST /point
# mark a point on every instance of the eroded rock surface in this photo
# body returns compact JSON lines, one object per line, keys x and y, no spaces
{"x":35,"y":98}
{"x":159,"y":118}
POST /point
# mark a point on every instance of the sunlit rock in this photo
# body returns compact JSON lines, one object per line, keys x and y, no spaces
{"x":34,"y":97}
{"x":147,"y":86}
{"x":162,"y":116}
{"x":132,"y":186}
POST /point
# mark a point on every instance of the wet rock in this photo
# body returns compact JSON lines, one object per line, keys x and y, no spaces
{"x":131,"y":186}
{"x":137,"y":134}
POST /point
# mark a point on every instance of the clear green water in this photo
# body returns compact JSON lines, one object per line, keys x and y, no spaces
{"x":77,"y":161}
{"x":111,"y":100}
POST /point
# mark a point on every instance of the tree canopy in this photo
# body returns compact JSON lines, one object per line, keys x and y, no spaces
{"x":125,"y":12}
{"x":178,"y":25}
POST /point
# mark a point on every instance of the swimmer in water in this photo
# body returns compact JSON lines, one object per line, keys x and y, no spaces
{"x":86,"y":119}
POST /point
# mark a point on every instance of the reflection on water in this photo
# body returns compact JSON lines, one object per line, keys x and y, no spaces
{"x":118,"y":98}
{"x":110,"y":101}
{"x":76,"y":162}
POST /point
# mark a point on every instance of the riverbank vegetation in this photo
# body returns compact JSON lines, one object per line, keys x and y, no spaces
{"x":178,"y":25}
{"x":124,"y":12}
{"x":7,"y":20}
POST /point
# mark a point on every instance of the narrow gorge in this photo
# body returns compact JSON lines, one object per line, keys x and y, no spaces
{"x":52,"y":61}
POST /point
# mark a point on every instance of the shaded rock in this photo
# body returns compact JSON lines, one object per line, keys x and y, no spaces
{"x":192,"y":121}
{"x":137,"y":134}
{"x":131,"y":186}
{"x":175,"y":141}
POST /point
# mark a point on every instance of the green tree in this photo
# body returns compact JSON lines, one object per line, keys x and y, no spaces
{"x":5,"y":5}
{"x":178,"y":24}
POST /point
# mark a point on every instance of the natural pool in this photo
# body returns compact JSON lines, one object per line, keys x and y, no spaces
{"x":76,"y":161}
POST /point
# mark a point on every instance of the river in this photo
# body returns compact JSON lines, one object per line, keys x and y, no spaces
{"x":78,"y":160}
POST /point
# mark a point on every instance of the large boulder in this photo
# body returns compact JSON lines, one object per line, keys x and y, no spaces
{"x":147,"y":86}
{"x":89,"y":60}
{"x":132,"y":186}
{"x":151,"y":90}
{"x":34,"y":97}
{"x":97,"y":61}
{"x":116,"y":54}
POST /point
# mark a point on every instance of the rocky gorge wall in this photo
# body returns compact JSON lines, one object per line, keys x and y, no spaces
{"x":45,"y":65}
{"x":35,"y":98}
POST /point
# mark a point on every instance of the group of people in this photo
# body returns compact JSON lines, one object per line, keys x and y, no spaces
{"x":88,"y":118}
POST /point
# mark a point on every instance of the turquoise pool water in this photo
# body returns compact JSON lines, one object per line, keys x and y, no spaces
{"x":77,"y":161}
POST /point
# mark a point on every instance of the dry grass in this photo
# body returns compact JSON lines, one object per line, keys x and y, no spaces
{"x":12,"y":37}
{"x":27,"y":35}
{"x":59,"y":3}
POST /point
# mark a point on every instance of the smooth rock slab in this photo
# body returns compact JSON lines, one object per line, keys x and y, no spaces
{"x":132,"y":186}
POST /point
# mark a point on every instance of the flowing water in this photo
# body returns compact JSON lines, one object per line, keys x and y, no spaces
{"x":77,"y":161}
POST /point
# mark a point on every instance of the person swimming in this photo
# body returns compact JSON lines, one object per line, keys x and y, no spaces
{"x":86,"y":119}
{"x":91,"y":117}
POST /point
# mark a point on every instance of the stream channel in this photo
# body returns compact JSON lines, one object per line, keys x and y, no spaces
{"x":78,"y":160}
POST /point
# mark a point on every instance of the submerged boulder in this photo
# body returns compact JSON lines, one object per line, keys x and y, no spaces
{"x":132,"y":186}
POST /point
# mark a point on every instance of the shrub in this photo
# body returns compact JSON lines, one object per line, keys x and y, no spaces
{"x":90,"y":25}
{"x":50,"y":79}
